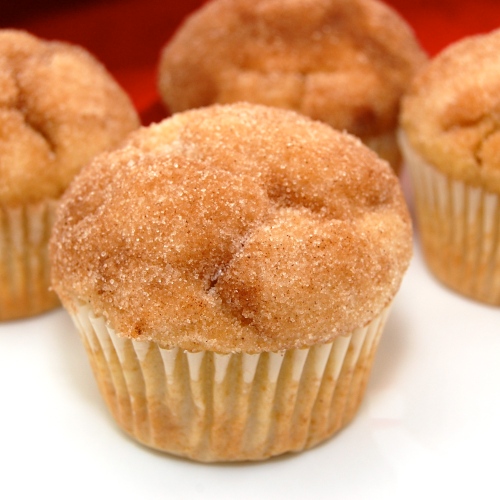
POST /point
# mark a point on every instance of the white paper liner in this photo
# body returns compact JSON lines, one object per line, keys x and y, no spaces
{"x":24,"y":262}
{"x":218,"y":407}
{"x":460,"y":229}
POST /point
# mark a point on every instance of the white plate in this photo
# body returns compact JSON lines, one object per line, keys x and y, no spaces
{"x":429,"y":424}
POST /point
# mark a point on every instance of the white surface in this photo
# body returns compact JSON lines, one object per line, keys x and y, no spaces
{"x":429,"y":424}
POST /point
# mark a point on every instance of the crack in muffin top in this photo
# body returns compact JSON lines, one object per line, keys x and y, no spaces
{"x":233,"y":228}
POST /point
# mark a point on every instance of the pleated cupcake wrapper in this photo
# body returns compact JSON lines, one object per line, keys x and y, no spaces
{"x":216,"y":407}
{"x":460,"y":230}
{"x":24,"y":263}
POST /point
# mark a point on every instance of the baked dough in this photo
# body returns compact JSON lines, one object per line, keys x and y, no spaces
{"x":451,"y":114}
{"x":344,"y":62}
{"x":58,"y":108}
{"x":237,"y":228}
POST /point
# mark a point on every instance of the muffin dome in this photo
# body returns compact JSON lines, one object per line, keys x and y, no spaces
{"x":233,"y":228}
{"x":58,"y":108}
{"x":451,"y":114}
{"x":344,"y":62}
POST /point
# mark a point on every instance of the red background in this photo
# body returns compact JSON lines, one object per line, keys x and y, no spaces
{"x":127,"y":35}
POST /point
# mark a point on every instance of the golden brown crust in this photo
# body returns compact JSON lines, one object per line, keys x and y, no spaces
{"x":58,"y":108}
{"x":451,"y":115}
{"x":344,"y":62}
{"x":233,"y":228}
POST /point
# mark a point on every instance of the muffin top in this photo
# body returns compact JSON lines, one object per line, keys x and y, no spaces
{"x":233,"y":228}
{"x":451,"y":115}
{"x":344,"y":62}
{"x":58,"y":108}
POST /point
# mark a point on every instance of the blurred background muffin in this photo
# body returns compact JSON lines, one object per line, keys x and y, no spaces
{"x":58,"y":108}
{"x":450,"y":133}
{"x":344,"y":62}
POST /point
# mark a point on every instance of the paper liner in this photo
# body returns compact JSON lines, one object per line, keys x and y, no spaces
{"x":220,"y":407}
{"x":24,"y":262}
{"x":460,"y":230}
{"x":386,"y":146}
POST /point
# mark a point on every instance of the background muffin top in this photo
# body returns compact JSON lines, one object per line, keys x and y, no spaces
{"x":451,"y":114}
{"x":233,"y":228}
{"x":344,"y":62}
{"x":58,"y":108}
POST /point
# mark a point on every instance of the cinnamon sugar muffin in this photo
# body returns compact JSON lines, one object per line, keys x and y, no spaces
{"x":450,"y":132}
{"x":344,"y":62}
{"x":230,"y":270}
{"x":58,"y":108}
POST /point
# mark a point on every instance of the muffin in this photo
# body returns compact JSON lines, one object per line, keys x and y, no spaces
{"x":58,"y":108}
{"x":230,"y":270}
{"x":450,"y":134}
{"x":344,"y":62}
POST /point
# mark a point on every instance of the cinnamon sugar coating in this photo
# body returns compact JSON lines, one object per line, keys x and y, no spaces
{"x":451,"y":115}
{"x":233,"y":228}
{"x":344,"y":62}
{"x":58,"y":108}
